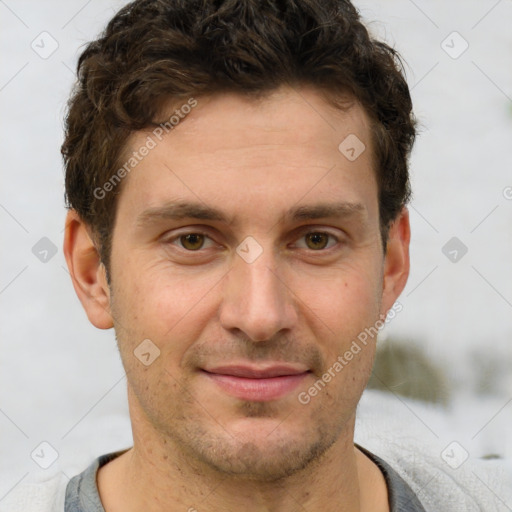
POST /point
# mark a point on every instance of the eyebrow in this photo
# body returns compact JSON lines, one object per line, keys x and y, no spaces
{"x":321,"y":211}
{"x":180,"y":210}
{"x":194,"y":210}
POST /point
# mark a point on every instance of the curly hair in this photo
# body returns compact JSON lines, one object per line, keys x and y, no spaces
{"x":156,"y":50}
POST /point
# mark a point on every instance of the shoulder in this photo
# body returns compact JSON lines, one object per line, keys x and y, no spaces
{"x":52,"y":493}
{"x":41,"y":495}
{"x":442,"y":474}
{"x":475,"y":485}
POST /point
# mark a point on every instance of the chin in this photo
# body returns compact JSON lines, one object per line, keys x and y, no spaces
{"x":260,"y":449}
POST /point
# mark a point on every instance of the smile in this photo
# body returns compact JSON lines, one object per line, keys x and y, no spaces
{"x":257,"y":384}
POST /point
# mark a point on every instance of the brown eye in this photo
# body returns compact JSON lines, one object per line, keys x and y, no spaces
{"x":192,"y":241}
{"x":317,"y":241}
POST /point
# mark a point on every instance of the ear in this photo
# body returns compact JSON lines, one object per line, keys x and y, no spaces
{"x":396,"y":262}
{"x":87,"y":272}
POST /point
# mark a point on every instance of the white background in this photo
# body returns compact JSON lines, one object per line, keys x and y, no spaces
{"x":61,"y":380}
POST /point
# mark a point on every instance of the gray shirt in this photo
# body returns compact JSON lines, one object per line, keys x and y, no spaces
{"x":82,"y":490}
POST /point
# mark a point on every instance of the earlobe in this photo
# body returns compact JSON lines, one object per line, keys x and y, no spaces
{"x":396,"y":263}
{"x":87,"y":272}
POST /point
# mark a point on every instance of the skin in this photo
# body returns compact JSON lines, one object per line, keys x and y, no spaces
{"x":195,"y":446}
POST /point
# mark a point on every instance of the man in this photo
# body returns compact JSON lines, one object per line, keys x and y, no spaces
{"x":236,"y":174}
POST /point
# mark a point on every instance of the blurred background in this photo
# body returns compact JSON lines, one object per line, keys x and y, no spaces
{"x":444,"y":360}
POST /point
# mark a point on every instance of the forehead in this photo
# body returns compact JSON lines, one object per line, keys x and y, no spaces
{"x":234,"y":151}
{"x":293,"y":116}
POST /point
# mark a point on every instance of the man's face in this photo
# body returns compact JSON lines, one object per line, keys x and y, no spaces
{"x":245,"y":325}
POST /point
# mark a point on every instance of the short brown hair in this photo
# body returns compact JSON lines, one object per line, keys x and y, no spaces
{"x":156,"y":50}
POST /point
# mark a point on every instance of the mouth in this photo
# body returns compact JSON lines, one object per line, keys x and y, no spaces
{"x":259,"y":384}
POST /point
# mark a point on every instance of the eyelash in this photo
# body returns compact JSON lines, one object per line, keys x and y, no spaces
{"x":177,"y":238}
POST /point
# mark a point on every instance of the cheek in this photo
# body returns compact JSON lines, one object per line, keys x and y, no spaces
{"x":168,"y":308}
{"x":346,"y":314}
{"x":344,"y":301}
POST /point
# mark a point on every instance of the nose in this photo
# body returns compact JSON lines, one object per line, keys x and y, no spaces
{"x":256,"y":299}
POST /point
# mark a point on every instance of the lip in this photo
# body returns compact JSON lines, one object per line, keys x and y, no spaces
{"x":259,"y":384}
